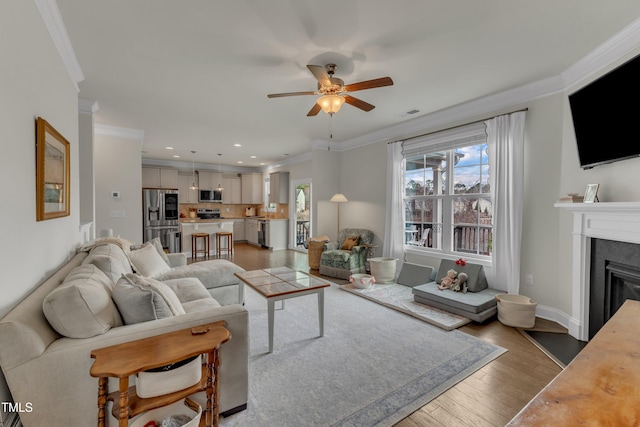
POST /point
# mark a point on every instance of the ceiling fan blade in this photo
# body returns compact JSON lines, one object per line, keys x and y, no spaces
{"x":280,"y":95}
{"x":358,"y":103}
{"x":369,"y":84}
{"x":315,"y":110}
{"x":320,"y":74}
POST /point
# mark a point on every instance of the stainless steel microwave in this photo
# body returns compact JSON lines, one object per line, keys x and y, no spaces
{"x":208,"y":196}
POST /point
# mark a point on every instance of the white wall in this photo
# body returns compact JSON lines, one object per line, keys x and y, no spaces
{"x":118,"y":168}
{"x":33,"y":82}
{"x":86,"y":173}
{"x":326,"y":182}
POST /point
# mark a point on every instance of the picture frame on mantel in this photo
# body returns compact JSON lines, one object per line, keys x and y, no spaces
{"x":53,"y":174}
{"x":591,"y":193}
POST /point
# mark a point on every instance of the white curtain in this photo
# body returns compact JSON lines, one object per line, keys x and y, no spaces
{"x":393,"y":235}
{"x":505,"y":139}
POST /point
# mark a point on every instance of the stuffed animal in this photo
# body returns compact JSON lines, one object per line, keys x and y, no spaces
{"x":448,"y":280}
{"x":460,"y":284}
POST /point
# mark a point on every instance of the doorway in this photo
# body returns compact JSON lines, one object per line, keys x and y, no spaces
{"x":300,"y":214}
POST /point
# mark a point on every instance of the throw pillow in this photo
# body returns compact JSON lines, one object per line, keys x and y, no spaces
{"x":350,"y":242}
{"x":140,"y":299}
{"x":110,"y":259}
{"x":148,"y":262}
{"x":81,"y":307}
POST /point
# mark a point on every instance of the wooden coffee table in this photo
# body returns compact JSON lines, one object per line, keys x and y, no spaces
{"x":278,"y":284}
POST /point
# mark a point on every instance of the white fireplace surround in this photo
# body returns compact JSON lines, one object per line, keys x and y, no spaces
{"x":617,"y":221}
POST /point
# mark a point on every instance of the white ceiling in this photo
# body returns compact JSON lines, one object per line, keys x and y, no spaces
{"x":195,"y":74}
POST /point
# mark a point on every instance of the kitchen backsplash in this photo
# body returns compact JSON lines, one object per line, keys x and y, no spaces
{"x":237,"y":211}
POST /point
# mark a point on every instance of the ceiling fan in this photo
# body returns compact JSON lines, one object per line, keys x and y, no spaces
{"x":334,"y":91}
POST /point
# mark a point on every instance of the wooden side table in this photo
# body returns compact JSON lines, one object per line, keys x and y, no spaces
{"x":126,"y":359}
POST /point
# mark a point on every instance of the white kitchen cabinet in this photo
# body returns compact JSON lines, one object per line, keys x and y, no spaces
{"x":251,"y":231}
{"x":232,"y":193}
{"x":186,"y":194}
{"x":279,"y":187}
{"x":159,"y":178}
{"x":238,"y":230}
{"x":209,"y":180}
{"x":277,"y":234}
{"x":252,"y":188}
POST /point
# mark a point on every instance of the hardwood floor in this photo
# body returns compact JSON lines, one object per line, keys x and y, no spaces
{"x":491,"y":396}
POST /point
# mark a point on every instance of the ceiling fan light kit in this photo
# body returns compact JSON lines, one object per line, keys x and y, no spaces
{"x":330,"y":104}
{"x":333,"y":91}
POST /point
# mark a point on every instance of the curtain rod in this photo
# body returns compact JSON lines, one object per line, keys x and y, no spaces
{"x":453,"y":127}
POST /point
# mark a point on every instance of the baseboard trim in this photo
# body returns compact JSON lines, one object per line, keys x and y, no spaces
{"x":554,"y":315}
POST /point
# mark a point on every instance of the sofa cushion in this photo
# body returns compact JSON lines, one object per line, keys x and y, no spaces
{"x":110,"y":259}
{"x":81,"y":307}
{"x":140,"y":299}
{"x":188,"y":289}
{"x":414,"y":274}
{"x":476,"y":280}
{"x":147,"y":261}
{"x":201,"y":304}
{"x":472,"y":302}
{"x":212,"y":273}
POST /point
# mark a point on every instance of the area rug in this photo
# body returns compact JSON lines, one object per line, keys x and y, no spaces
{"x":400,"y":297}
{"x":373,"y":366}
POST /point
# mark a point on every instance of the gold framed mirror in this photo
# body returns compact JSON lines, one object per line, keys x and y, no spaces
{"x":52,"y":172}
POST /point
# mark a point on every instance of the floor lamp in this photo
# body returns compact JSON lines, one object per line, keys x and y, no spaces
{"x":338,"y":198}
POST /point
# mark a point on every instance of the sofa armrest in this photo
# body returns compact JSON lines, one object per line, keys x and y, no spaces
{"x":65,"y":365}
{"x":177,"y":260}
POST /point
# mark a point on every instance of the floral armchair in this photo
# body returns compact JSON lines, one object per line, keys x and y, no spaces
{"x":342,"y":263}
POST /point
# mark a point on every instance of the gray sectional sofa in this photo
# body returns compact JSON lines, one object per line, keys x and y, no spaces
{"x":93,"y":302}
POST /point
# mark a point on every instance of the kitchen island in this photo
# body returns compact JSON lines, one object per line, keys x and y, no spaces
{"x":189,"y":226}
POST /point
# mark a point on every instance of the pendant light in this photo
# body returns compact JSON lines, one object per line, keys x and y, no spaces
{"x":219,"y":175}
{"x":193,"y":171}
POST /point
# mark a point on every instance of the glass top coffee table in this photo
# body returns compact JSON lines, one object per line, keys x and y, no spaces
{"x":280,"y":283}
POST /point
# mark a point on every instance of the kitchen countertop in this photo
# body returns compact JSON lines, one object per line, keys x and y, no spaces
{"x":228,"y":219}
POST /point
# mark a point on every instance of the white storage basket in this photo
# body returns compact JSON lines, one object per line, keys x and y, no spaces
{"x":517,"y":311}
{"x":152,"y":384}
{"x":185,"y":406}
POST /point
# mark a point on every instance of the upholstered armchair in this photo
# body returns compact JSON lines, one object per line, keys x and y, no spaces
{"x":342,"y":263}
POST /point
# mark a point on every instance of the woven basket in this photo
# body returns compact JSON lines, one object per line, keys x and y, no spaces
{"x":517,"y":311}
{"x":315,"y":251}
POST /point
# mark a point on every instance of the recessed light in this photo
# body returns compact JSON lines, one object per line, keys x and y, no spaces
{"x":176,"y":156}
{"x":169,"y":148}
{"x":286,"y":154}
{"x":240,"y":161}
{"x":237,"y":145}
{"x":262,"y":163}
{"x":253,"y":157}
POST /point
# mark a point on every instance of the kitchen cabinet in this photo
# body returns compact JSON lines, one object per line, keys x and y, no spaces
{"x":251,"y":231}
{"x":209,"y":180}
{"x":159,"y":178}
{"x":186,"y":194}
{"x":238,"y":230}
{"x":232,"y":193}
{"x":277,"y":234}
{"x":252,"y":188}
{"x":279,"y":187}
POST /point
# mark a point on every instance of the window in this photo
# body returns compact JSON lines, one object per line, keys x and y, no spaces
{"x":447,"y":199}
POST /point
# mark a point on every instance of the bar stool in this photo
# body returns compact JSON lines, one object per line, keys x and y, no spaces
{"x":229,"y":239}
{"x":194,"y":245}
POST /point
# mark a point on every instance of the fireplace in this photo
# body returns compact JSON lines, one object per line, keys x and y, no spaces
{"x":614,"y":278}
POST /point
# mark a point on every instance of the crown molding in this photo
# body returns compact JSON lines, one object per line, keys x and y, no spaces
{"x":87,"y":106}
{"x":119,"y":132}
{"x":53,"y":21}
{"x":615,"y":48}
{"x":612,"y":50}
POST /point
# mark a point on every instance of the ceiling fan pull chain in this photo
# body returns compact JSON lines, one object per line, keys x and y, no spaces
{"x":330,"y":126}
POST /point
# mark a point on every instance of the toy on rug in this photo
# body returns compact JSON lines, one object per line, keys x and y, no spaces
{"x":460,"y":283}
{"x":448,"y":280}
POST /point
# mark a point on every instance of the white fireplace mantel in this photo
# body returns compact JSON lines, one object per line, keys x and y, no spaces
{"x":617,"y":221}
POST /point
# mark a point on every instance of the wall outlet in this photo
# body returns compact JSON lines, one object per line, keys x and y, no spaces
{"x":117,"y":214}
{"x":529,"y":279}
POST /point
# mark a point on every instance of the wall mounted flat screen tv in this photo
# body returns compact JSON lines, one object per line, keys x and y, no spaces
{"x":606,"y":115}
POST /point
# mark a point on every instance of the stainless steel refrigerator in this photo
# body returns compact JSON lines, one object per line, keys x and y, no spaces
{"x":161,"y":217}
